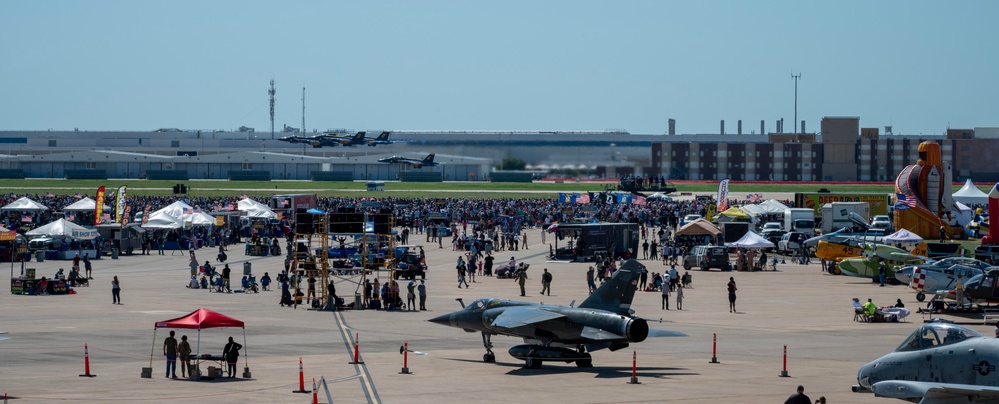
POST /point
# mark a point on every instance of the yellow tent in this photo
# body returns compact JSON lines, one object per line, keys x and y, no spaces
{"x":732,"y":214}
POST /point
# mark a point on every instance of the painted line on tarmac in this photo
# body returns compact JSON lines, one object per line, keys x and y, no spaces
{"x":364,"y":376}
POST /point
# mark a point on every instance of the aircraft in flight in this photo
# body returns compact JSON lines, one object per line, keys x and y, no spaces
{"x":426,"y":162}
{"x":561,"y":333}
{"x":382,"y":138}
{"x":938,"y":363}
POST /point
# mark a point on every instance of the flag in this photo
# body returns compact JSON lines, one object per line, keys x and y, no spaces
{"x":722,"y":195}
{"x":909,"y":200}
{"x":71,"y":217}
{"x":99,"y":209}
{"x":119,"y":209}
{"x":49,"y":195}
{"x":583,"y":198}
{"x":243,"y":196}
{"x":197,"y":209}
{"x":639,"y":200}
{"x":188,"y":211}
{"x":26,"y":218}
{"x":78,"y":196}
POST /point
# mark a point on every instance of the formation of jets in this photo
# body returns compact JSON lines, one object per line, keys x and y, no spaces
{"x":415,"y":163}
{"x":332,"y":140}
{"x":561,"y":333}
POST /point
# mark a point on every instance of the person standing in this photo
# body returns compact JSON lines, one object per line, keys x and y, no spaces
{"x":160,"y":243}
{"x":524,"y":242}
{"x":225,"y":277}
{"x":312,"y":288}
{"x":170,"y":351}
{"x":881,"y":273}
{"x":115,"y":291}
{"x":665,"y":294}
{"x":411,"y":295}
{"x":679,"y":297}
{"x":422,"y":290}
{"x":87,"y":266}
{"x":943,"y":233}
{"x":194,"y":266}
{"x":799,"y":397}
{"x":461,"y":275}
{"x":521,"y":277}
{"x":546,"y":283}
{"x":590,"y":282}
{"x":731,"y":294}
{"x":184,"y":352}
{"x":643,"y":280}
{"x":959,"y":290}
{"x":645,"y":250}
{"x":231,"y":354}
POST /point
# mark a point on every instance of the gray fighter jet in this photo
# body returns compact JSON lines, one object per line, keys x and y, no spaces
{"x":561,"y":333}
{"x":939,"y":363}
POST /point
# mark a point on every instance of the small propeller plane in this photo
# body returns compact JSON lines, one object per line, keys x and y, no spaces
{"x":426,"y":162}
{"x":939,"y":363}
{"x":561,"y":333}
{"x":940,"y":274}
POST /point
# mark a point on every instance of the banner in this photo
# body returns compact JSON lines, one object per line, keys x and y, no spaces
{"x":99,"y":209}
{"x":722,"y":195}
{"x":119,"y":207}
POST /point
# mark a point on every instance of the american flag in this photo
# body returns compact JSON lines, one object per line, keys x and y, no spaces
{"x":26,"y":218}
{"x":284,"y":203}
{"x":908,"y":200}
{"x":78,"y":196}
{"x":188,"y":211}
{"x":50,"y":195}
{"x":639,"y":200}
{"x":583,"y":198}
{"x":197,"y":209}
{"x":71,"y":217}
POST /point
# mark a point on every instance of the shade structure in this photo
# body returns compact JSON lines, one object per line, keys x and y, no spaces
{"x":162,"y":220}
{"x":64,"y":228}
{"x":24,"y":204}
{"x":658,"y":196}
{"x":773,"y":207}
{"x":751,"y":240}
{"x":255,"y":209}
{"x":699,"y":227}
{"x":198,"y":219}
{"x":198,"y":320}
{"x":971,"y":195}
{"x":176,"y":209}
{"x":84,"y":205}
{"x":903,"y":236}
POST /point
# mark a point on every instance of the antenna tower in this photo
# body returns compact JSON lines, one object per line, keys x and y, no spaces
{"x":795,"y":77}
{"x":271,"y":93}
{"x":303,"y":110}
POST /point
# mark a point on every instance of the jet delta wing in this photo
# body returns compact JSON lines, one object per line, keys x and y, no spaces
{"x":939,"y":363}
{"x":561,"y":333}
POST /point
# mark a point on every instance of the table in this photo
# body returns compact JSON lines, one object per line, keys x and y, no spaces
{"x":211,"y":358}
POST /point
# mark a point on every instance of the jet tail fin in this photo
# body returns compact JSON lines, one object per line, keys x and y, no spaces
{"x":615,"y":295}
{"x":384,"y":136}
{"x":429,"y":160}
{"x":359,"y":135}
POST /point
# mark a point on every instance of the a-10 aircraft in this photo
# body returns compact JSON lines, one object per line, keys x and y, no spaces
{"x":561,"y":333}
{"x":939,"y":363}
{"x":415,"y":163}
{"x":332,"y":140}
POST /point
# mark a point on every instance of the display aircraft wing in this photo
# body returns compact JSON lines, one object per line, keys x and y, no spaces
{"x":522,"y":316}
{"x":930,"y":392}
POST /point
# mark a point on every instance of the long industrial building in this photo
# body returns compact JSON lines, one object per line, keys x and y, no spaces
{"x":841,"y":151}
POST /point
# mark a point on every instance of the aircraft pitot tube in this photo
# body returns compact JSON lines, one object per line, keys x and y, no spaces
{"x":926,"y":186}
{"x":993,"y":212}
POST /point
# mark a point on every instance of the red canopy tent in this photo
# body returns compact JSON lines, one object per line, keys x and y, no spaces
{"x":198,"y":320}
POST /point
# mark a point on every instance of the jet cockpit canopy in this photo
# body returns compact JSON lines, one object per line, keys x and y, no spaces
{"x":932,"y":335}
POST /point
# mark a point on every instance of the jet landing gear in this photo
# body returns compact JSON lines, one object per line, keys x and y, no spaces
{"x":586,"y":360}
{"x":532,"y":361}
{"x":489,"y":357}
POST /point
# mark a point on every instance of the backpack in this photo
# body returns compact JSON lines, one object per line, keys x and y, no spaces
{"x":546,"y":277}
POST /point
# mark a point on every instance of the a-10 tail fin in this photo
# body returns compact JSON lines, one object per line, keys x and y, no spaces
{"x":615,"y":295}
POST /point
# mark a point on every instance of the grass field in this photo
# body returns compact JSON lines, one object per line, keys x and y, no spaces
{"x":401,"y":189}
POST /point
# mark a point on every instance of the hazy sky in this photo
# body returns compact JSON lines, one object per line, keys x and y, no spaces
{"x":517,"y":65}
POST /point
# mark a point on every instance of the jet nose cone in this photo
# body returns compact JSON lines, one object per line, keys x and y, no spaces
{"x":442,"y":320}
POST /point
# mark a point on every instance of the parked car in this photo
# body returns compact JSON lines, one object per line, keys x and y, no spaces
{"x":408,"y":263}
{"x":773,"y":236}
{"x":771,"y":226}
{"x":706,"y":257}
{"x":688,"y":219}
{"x":882,"y":221}
{"x":789,"y":242}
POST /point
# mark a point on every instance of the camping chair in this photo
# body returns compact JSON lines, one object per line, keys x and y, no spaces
{"x":860,"y":316}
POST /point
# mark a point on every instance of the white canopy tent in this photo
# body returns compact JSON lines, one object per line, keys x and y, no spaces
{"x":24,"y":204}
{"x":162,"y":220}
{"x":773,"y":207}
{"x":175,"y":209}
{"x":255,"y":209}
{"x":902,"y":236}
{"x":198,"y":219}
{"x":751,"y":240}
{"x":969,"y":194}
{"x":64,"y":228}
{"x":84,"y":205}
{"x":658,"y":196}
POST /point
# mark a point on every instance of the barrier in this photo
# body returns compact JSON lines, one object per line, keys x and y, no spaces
{"x":634,"y":368}
{"x":357,"y":352}
{"x":783,"y":373}
{"x":301,"y":379}
{"x":404,"y":350}
{"x":86,"y":362}
{"x":714,"y":348}
{"x":315,"y":392}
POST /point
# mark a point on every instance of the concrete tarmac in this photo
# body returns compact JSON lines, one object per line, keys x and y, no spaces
{"x":797,"y":306}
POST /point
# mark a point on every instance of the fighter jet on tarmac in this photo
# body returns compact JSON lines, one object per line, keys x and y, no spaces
{"x":939,"y":363}
{"x":561,"y":333}
{"x":330,"y":139}
{"x":426,"y":162}
{"x":382,"y":138}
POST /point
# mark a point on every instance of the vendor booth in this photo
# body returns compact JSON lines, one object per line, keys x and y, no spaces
{"x":73,"y":239}
{"x":28,"y":284}
{"x":198,"y":320}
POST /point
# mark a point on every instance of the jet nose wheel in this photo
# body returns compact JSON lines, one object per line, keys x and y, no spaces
{"x":532,"y":363}
{"x":920,"y":296}
{"x":489,"y":358}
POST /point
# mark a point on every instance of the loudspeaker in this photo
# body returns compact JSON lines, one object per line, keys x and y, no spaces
{"x":382,"y":224}
{"x":304,"y":222}
{"x":346,"y":223}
